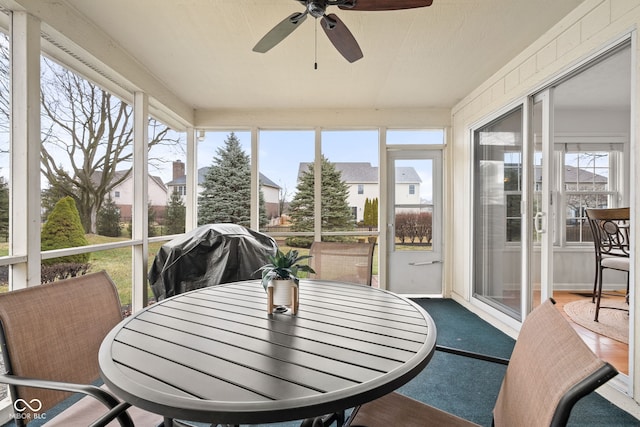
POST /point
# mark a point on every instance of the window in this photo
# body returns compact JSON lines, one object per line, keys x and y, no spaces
{"x":352,"y":158}
{"x":512,"y":193}
{"x":280,"y":185}
{"x":166,"y":210}
{"x":116,"y":194}
{"x":588,"y":181}
{"x":412,"y":189}
{"x":415,"y":136}
{"x":224,"y":178}
{"x":497,"y":187}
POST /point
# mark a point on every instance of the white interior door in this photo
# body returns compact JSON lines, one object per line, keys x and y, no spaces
{"x":414,"y":223}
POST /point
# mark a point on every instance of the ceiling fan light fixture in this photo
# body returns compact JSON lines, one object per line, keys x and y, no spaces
{"x":317,"y":8}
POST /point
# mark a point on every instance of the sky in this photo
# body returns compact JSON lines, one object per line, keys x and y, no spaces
{"x":281,"y":152}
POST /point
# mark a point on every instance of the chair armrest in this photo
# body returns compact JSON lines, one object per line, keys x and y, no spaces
{"x":97,"y":393}
{"x":473,"y":355}
{"x":115,"y":412}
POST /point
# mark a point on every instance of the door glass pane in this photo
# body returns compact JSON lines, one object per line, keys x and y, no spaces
{"x":417,"y":136}
{"x":497,"y":193}
{"x":413,"y":207}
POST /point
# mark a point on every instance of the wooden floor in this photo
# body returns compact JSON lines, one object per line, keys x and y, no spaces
{"x":614,"y":352}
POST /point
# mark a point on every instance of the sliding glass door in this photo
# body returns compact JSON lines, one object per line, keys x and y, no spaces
{"x":497,"y":194}
{"x":536,"y":170}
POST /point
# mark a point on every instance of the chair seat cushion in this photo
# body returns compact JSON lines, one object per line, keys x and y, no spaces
{"x":616,"y":263}
{"x":394,"y":409}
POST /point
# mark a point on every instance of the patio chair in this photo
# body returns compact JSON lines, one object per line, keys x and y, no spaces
{"x":550,"y":369}
{"x":50,"y":336}
{"x":345,"y":262}
{"x":610,"y":230}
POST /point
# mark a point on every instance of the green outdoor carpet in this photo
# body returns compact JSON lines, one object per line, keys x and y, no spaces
{"x":468,"y":388}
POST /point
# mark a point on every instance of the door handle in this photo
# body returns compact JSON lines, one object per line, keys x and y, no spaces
{"x":425,"y":262}
{"x":537,"y":222}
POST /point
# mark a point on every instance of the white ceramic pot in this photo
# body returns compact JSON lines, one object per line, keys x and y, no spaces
{"x":282,"y":291}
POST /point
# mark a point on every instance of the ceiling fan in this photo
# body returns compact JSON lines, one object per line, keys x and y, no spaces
{"x":334,"y":28}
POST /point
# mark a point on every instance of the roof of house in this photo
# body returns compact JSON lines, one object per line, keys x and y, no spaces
{"x":202,"y":172}
{"x":573,"y":175}
{"x":363,"y":172}
{"x":97,"y":176}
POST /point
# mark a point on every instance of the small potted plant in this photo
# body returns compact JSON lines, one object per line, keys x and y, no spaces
{"x":282,"y":273}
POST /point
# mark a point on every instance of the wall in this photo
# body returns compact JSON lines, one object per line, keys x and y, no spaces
{"x":586,"y":31}
{"x":358,"y":200}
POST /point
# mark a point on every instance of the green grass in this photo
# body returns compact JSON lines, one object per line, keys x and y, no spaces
{"x":117,"y":262}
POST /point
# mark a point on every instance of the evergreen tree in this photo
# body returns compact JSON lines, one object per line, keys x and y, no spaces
{"x":370,"y":213}
{"x":226,"y":197}
{"x":335,"y":211}
{"x":51,"y":195}
{"x":63,"y":229}
{"x":108,"y":223}
{"x":151,"y":221}
{"x":176,"y":214}
{"x":366,"y":217}
{"x":374,"y":213}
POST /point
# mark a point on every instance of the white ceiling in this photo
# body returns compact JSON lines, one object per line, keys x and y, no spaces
{"x":430,"y":57}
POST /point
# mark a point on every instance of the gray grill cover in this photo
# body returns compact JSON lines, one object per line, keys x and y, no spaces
{"x":209,"y":255}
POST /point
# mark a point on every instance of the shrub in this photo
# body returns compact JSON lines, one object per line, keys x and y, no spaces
{"x":60,"y":271}
{"x":109,"y":219}
{"x":63,"y":229}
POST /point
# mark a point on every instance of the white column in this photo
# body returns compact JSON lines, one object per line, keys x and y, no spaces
{"x":192,"y":181}
{"x":383,"y":209}
{"x":255,"y":181}
{"x":140,"y":216}
{"x":25,"y":150}
{"x":317,"y":187}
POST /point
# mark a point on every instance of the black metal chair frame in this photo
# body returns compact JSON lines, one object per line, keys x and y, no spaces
{"x":610,"y":231}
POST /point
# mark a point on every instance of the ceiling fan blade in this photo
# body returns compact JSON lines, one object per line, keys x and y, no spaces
{"x":341,"y":37}
{"x":279,"y":32}
{"x":375,"y":5}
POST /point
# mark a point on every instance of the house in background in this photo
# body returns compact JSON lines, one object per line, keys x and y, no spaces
{"x":122,"y":195}
{"x":270,"y":189}
{"x":362,"y":180}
